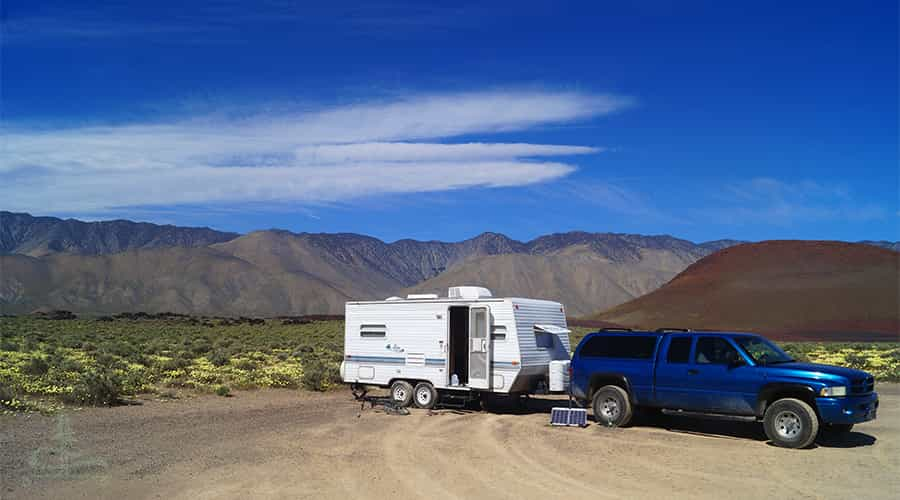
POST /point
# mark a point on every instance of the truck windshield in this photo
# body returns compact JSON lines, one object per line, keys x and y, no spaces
{"x":763,"y":351}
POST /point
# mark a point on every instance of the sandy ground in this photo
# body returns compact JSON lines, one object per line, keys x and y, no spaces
{"x":294,"y":444}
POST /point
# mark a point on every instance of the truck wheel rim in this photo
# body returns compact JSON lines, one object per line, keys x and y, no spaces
{"x":609,"y":408}
{"x":424,"y":396}
{"x":788,"y":425}
{"x":399,"y":394}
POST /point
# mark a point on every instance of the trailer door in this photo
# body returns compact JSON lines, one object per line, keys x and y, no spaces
{"x":479,"y":348}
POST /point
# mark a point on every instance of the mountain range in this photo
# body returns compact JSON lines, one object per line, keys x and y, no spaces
{"x":101,"y":267}
{"x":114,"y":266}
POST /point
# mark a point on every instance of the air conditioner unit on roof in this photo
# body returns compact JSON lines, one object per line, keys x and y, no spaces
{"x":421,"y":296}
{"x":468,"y":292}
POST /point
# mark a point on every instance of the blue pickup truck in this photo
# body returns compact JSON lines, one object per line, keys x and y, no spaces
{"x":720,"y":373}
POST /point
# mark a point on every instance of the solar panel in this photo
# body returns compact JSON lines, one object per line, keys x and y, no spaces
{"x":570,"y":417}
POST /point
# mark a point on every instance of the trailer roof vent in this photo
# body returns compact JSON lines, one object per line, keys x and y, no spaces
{"x":468,"y":292}
{"x":394,"y":298}
{"x":421,"y":296}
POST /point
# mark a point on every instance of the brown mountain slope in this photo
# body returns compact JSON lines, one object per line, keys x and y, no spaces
{"x":820,"y":289}
{"x":36,"y":236}
{"x":579,"y":276}
{"x":195,"y":281}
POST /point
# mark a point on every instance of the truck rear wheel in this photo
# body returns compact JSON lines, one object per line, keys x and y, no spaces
{"x":402,"y":393}
{"x":612,"y":407}
{"x":791,"y":423}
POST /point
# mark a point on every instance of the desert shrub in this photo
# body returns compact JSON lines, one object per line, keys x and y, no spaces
{"x":320,"y":376}
{"x":36,"y":366}
{"x":244,"y":364}
{"x":218,"y":358}
{"x":98,"y":388}
{"x":6,"y":397}
{"x":223,"y":391}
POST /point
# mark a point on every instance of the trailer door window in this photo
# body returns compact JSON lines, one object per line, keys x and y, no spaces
{"x":375,"y":331}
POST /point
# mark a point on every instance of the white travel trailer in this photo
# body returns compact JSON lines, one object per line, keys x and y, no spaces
{"x":425,"y":347}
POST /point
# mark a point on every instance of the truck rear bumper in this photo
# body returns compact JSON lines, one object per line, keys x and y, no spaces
{"x":848,"y":410}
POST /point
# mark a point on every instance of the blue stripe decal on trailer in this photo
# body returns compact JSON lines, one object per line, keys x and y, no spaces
{"x":428,"y":361}
{"x":377,"y":359}
{"x":391,"y":360}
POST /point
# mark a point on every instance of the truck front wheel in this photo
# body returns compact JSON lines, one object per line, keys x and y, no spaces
{"x":791,"y":423}
{"x":611,"y":406}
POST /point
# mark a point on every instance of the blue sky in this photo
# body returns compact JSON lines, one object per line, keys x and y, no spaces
{"x":703,"y":120}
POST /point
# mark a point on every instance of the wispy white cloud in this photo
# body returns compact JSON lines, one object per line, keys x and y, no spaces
{"x":778,"y":202}
{"x":318,"y":156}
{"x":409,"y":151}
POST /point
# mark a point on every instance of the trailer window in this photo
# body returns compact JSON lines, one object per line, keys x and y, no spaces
{"x":372,"y":330}
{"x":620,"y":346}
{"x":543,"y":339}
{"x":498,"y":332}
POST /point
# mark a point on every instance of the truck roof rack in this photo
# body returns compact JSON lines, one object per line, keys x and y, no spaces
{"x":616,"y":329}
{"x":666,"y":330}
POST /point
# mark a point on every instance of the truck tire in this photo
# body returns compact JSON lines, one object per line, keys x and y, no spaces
{"x":402,"y":393}
{"x":791,"y":423}
{"x":425,"y":396}
{"x":612,"y":407}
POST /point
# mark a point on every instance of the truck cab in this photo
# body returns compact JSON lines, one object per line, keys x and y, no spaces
{"x":721,"y":373}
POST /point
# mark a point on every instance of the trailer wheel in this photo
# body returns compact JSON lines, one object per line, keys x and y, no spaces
{"x":425,"y":396}
{"x":612,"y":407}
{"x":402,"y":393}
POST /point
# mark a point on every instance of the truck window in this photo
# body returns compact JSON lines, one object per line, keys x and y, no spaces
{"x":715,"y":351}
{"x":679,"y":350}
{"x":620,"y":346}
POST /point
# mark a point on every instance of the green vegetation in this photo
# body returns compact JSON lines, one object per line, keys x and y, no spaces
{"x":100,"y":361}
{"x":881,"y":359}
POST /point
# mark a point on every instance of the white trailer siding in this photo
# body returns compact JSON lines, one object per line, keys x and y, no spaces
{"x":408,"y":340}
{"x":535,"y":360}
{"x":408,"y":349}
{"x":539,"y":312}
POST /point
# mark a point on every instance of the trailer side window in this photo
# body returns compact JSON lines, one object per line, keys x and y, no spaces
{"x":372,"y":330}
{"x":498,"y":332}
{"x":543,"y":339}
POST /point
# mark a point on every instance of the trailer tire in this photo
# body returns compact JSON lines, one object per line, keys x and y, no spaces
{"x":425,"y":396}
{"x":402,"y":393}
{"x":612,"y":407}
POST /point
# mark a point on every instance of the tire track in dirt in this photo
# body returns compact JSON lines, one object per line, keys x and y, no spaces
{"x":302,"y":445}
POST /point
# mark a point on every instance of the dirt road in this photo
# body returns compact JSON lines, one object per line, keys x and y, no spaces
{"x":292,"y":444}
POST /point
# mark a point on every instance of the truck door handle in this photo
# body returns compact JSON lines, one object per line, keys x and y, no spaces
{"x":692,"y":371}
